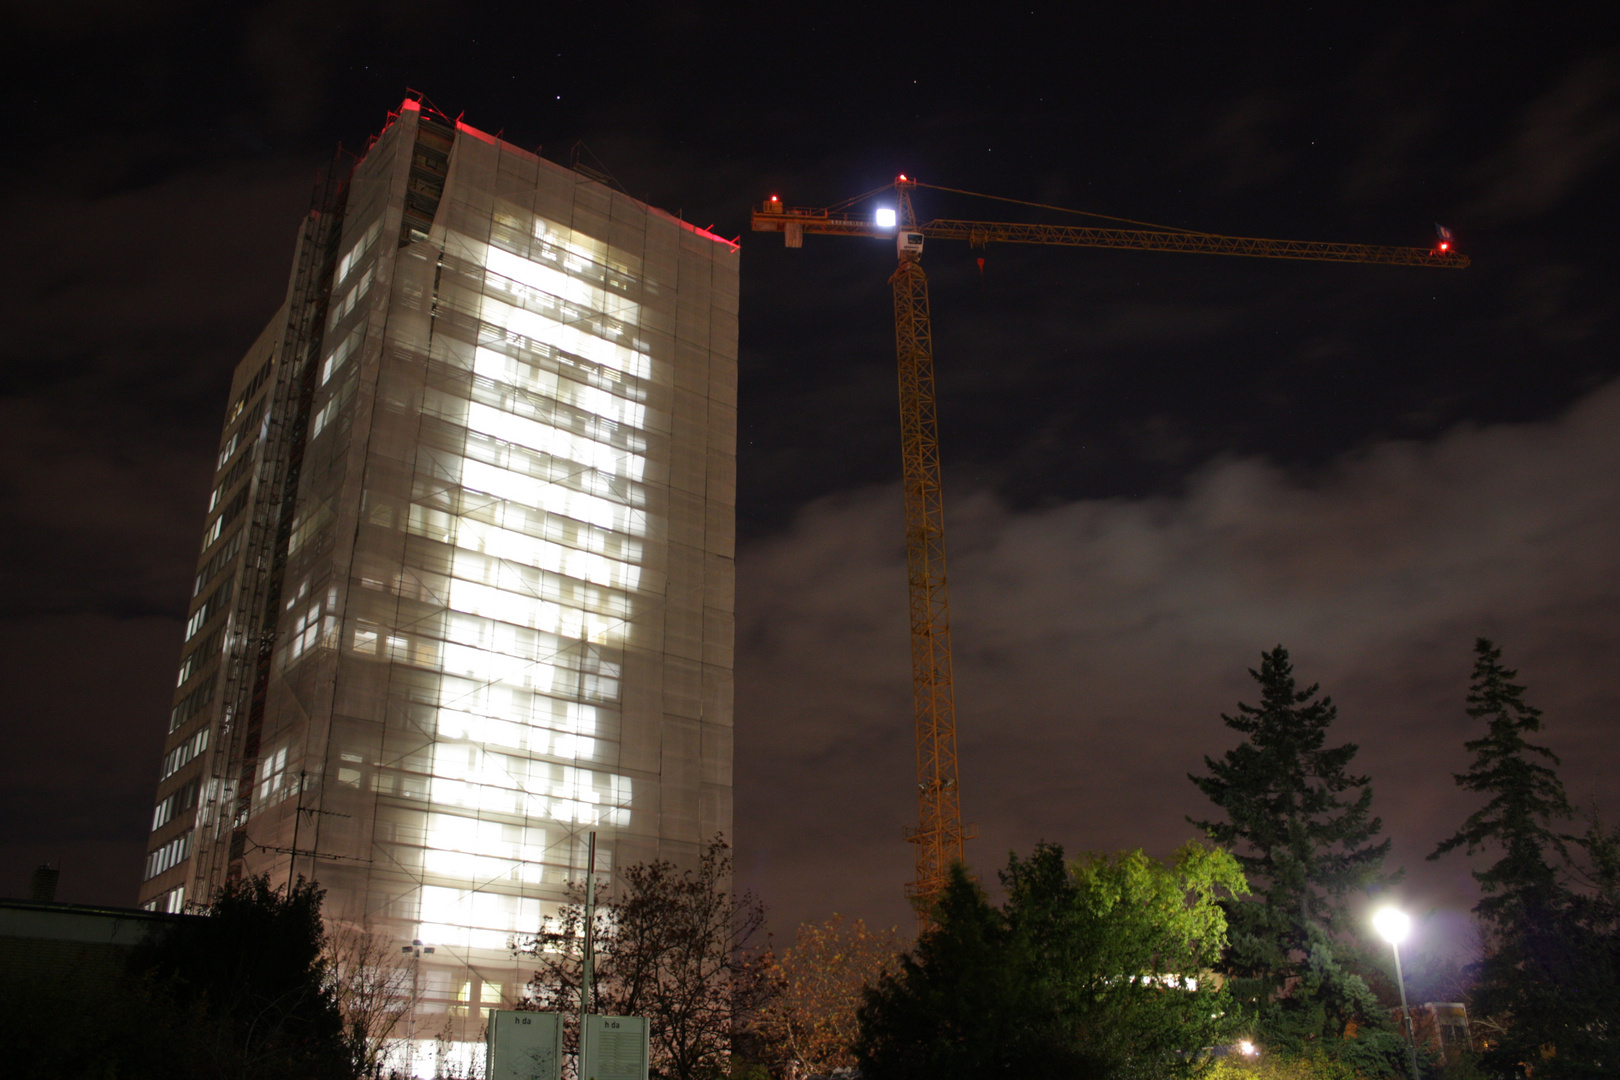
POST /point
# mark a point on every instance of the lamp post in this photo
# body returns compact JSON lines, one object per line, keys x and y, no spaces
{"x":1393,"y":925}
{"x":416,"y":950}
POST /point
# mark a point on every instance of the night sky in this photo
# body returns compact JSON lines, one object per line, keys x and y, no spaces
{"x":1156,"y":466}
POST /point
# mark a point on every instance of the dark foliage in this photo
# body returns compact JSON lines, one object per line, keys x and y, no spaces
{"x":1549,"y":983}
{"x":1301,"y":826}
{"x":248,"y":987}
{"x":1082,"y":974}
{"x":242,"y":994}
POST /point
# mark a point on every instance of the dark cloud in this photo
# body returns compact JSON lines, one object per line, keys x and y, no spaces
{"x":1097,"y":643}
{"x":1560,"y":139}
{"x":83,"y":746}
{"x":1245,"y":143}
{"x":115,"y":368}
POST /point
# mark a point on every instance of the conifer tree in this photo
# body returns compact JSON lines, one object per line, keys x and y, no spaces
{"x":1302,"y":829}
{"x":1527,"y":910}
{"x":1525,"y":798}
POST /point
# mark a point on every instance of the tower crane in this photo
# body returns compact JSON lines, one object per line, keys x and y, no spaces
{"x":939,"y":833}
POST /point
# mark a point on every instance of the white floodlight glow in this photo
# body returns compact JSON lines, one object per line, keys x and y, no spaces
{"x":1247,"y":1048}
{"x":1392,"y":924}
{"x":885,"y":218}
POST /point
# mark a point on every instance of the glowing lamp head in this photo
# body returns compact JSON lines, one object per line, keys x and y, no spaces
{"x":885,"y":218}
{"x":1247,"y":1048}
{"x":902,"y":177}
{"x":1445,"y":246}
{"x":1392,"y":924}
{"x":775,"y":199}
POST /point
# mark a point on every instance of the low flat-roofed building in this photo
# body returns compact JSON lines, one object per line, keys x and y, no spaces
{"x":72,"y":946}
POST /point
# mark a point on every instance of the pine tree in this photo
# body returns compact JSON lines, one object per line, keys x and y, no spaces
{"x":1528,"y":912}
{"x":1526,"y":798}
{"x":1302,"y":829}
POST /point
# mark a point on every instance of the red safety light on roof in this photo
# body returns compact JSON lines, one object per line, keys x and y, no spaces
{"x":773,"y":198}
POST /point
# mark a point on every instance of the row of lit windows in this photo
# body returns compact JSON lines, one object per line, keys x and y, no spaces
{"x":464,"y":519}
{"x":193,"y":703}
{"x":603,"y":339}
{"x":232,"y":476}
{"x":521,"y":564}
{"x":216,"y":602}
{"x":346,"y":348}
{"x":501,"y":715}
{"x":342,"y":307}
{"x":461,"y":766}
{"x":168,"y":903}
{"x":334,"y":404}
{"x":308,"y":628}
{"x":604,"y":513}
{"x":175,"y":759}
{"x":240,"y":405}
{"x":538,"y":239}
{"x":541,"y":675}
{"x":538,"y":365}
{"x":574,"y":431}
{"x":217,"y":562}
{"x":169,"y":855}
{"x":274,"y":783}
{"x":226,"y":516}
{"x":568,"y":382}
{"x":505,"y":733}
{"x":180,"y":800}
{"x":502,"y":798}
{"x":200,"y":657}
{"x":246,"y":434}
{"x":357,"y":251}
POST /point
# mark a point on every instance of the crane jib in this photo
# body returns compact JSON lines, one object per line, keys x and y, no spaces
{"x":940,"y":833}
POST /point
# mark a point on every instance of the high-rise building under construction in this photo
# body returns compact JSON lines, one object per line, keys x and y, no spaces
{"x":465,"y":587}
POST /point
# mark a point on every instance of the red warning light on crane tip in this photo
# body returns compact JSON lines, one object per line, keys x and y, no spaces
{"x":902,"y":176}
{"x":1444,"y":246}
{"x":773,"y":198}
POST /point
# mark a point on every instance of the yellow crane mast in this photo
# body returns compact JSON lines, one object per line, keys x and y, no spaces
{"x":939,"y":833}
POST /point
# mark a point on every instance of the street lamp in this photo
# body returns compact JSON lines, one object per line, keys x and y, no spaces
{"x":1393,"y":925}
{"x":416,"y":950}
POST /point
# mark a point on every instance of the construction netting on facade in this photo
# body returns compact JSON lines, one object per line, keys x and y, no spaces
{"x":505,"y":614}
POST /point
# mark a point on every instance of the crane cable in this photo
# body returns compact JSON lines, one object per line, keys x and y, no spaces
{"x":1059,"y":209}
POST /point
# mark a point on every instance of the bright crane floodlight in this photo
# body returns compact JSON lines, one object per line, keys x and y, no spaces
{"x":885,"y":218}
{"x":1392,"y":924}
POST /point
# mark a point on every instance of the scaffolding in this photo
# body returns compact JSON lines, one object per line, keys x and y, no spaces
{"x":220,"y":839}
{"x":484,"y":604}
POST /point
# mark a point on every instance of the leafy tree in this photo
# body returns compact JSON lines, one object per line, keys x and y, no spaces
{"x":1090,"y":969}
{"x":675,"y":947}
{"x":1549,"y":977}
{"x":1163,"y":927}
{"x":1301,"y":826}
{"x":821,"y":977}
